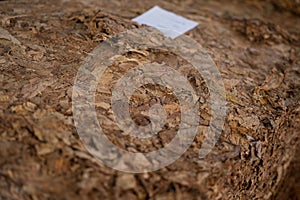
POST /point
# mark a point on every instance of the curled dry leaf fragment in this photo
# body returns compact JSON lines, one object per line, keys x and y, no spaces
{"x":273,"y":80}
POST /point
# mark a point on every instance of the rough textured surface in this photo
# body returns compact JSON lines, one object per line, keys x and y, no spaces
{"x":291,"y":5}
{"x":256,"y":47}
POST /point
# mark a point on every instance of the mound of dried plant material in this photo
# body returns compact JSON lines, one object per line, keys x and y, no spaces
{"x":255,"y":46}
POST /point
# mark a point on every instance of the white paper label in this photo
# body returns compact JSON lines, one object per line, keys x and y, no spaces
{"x":170,"y":24}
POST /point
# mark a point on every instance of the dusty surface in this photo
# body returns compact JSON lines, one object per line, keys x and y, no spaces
{"x":256,"y":47}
